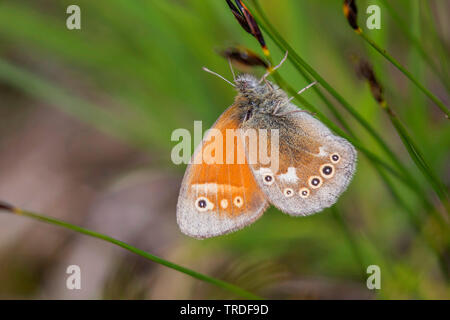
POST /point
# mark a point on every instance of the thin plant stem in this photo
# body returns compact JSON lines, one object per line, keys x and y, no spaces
{"x":417,"y":44}
{"x":408,"y":74}
{"x":415,"y":220}
{"x":327,"y":102}
{"x":411,"y":183}
{"x":418,"y":224}
{"x":439,"y":43}
{"x":359,"y":257}
{"x":299,"y":63}
{"x":417,"y":156}
{"x":379,"y":165}
{"x":197,"y":275}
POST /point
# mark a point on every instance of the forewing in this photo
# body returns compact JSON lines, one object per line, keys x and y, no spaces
{"x":218,"y":198}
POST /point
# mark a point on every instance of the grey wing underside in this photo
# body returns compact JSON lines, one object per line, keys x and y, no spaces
{"x":306,"y":146}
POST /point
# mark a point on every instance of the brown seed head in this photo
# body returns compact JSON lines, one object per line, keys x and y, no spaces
{"x":6,"y":206}
{"x":244,"y":58}
{"x":351,"y":13}
{"x":247,"y":22}
{"x":365,"y":71}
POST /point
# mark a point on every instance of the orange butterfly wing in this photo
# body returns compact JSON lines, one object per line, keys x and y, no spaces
{"x":217,"y":195}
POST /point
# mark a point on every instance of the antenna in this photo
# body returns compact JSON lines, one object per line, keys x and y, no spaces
{"x":218,"y":75}
{"x":231,"y":68}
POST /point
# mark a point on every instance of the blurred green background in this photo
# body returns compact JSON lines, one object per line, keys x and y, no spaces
{"x":86,"y":118}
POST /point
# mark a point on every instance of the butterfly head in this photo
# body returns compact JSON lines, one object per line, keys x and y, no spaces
{"x":247,"y":84}
{"x":252,"y":91}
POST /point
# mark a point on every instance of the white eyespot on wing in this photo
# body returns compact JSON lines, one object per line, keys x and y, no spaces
{"x":238,"y":202}
{"x":218,"y":221}
{"x":290,"y":176}
{"x":202,"y":204}
{"x":304,"y":193}
{"x":224,"y":203}
{"x":335,"y":157}
{"x":266,"y":175}
{"x":318,"y":187}
{"x":288,"y":192}
{"x":198,"y":222}
{"x":327,"y":170}
{"x":308,"y":145}
{"x":315,"y":182}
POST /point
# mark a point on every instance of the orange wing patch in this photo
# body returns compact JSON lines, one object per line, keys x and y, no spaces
{"x":228,"y":183}
{"x":219,"y":197}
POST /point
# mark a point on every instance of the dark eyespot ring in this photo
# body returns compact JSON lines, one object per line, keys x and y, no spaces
{"x":335,"y":158}
{"x":238,"y":201}
{"x":304,"y":192}
{"x":315,"y":182}
{"x":288,"y":192}
{"x":267,"y":177}
{"x":201,"y":204}
{"x":327,"y":170}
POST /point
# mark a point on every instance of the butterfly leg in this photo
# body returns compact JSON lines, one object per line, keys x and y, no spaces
{"x":268,"y":84}
{"x":274,"y":68}
{"x":277,"y":107}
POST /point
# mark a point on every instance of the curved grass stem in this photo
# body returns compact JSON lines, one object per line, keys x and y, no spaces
{"x":408,"y":74}
{"x":357,"y":252}
{"x":418,"y":158}
{"x":197,"y":275}
{"x":300,"y":64}
{"x":415,"y":41}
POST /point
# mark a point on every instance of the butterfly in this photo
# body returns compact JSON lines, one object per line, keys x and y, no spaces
{"x":314,"y":165}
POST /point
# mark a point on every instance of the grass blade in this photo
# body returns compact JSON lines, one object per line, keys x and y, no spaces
{"x":415,"y":41}
{"x":299,"y":63}
{"x":418,"y":157}
{"x":197,"y":275}
{"x":408,"y":74}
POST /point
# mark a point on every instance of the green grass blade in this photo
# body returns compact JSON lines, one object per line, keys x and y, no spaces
{"x":438,"y":42}
{"x":197,"y":275}
{"x":299,"y":63}
{"x":418,"y":158}
{"x":417,"y":44}
{"x":357,"y":252}
{"x":408,"y":74}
